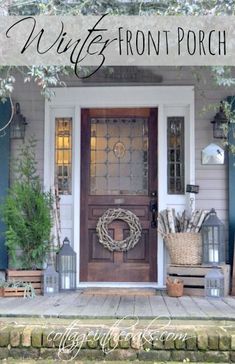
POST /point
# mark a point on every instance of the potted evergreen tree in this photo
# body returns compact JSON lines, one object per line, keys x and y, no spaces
{"x":27,"y":213}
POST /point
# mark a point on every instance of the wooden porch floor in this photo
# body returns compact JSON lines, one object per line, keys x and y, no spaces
{"x":76,"y":304}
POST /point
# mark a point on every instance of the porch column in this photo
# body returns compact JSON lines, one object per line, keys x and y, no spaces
{"x":231,"y":185}
{"x":231,"y":192}
{"x":5,"y":113}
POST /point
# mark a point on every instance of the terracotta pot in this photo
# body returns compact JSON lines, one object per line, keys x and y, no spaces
{"x":175,"y":289}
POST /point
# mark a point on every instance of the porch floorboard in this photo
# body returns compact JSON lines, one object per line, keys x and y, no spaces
{"x":76,"y":304}
{"x":126,"y":306}
{"x":158,"y":306}
{"x":191,"y":307}
{"x":142,"y":307}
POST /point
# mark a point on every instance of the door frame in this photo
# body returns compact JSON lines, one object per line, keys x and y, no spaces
{"x":170,"y":101}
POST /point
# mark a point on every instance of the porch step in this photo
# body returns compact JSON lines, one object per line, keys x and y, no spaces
{"x":119,"y":291}
{"x":116,"y":342}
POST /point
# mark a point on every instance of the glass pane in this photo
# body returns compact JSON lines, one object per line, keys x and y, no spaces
{"x":100,"y":156}
{"x":101,"y":127}
{"x":63,"y":155}
{"x":119,"y":156}
{"x":175,"y":155}
{"x":101,"y":170}
{"x":113,"y":169}
{"x":101,"y":143}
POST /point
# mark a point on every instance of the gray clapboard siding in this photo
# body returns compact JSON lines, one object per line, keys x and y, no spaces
{"x":217,"y":204}
{"x":202,"y":136}
{"x":206,"y":173}
{"x":218,"y":184}
{"x":217,"y":195}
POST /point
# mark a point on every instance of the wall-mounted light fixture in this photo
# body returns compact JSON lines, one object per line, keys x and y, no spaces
{"x":219,"y":121}
{"x":18,"y":124}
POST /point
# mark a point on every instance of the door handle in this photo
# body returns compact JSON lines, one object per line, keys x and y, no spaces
{"x":153,"y":209}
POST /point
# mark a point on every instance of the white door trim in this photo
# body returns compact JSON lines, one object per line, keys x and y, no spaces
{"x":170,"y":100}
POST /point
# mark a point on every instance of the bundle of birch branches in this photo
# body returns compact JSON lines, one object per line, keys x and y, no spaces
{"x":171,"y":222}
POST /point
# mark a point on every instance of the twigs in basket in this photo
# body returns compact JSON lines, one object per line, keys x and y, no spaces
{"x":170,"y":222}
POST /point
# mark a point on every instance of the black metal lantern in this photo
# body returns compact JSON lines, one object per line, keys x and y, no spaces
{"x":66,"y":266}
{"x":50,"y":280}
{"x":219,"y":121}
{"x":214,"y":284}
{"x":213,"y":241}
{"x":18,"y":124}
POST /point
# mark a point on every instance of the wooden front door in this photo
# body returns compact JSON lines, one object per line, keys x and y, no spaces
{"x":118,"y":169}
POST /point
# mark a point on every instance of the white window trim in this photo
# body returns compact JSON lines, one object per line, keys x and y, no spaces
{"x":168,"y":99}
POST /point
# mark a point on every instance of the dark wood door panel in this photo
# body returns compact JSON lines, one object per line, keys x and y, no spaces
{"x":97,"y":263}
{"x":142,"y":212}
{"x":140,"y":252}
{"x":114,"y":272}
{"x":92,"y":223}
{"x":132,"y":200}
{"x":96,"y":250}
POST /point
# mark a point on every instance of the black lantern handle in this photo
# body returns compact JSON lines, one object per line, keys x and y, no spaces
{"x":66,"y":241}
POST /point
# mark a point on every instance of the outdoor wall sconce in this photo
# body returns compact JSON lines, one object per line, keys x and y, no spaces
{"x":50,"y":280}
{"x":214,"y":284}
{"x":66,"y":266}
{"x":218,"y":124}
{"x":18,"y":124}
{"x":213,"y":242}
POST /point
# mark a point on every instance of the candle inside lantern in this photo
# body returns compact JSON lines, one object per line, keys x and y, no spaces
{"x":213,"y":255}
{"x":66,"y":266}
{"x":67,"y":282}
{"x":214,"y":292}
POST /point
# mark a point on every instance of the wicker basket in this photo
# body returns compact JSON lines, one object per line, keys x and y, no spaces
{"x":184,"y":248}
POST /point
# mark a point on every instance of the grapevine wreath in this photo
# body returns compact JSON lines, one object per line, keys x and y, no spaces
{"x":118,"y":214}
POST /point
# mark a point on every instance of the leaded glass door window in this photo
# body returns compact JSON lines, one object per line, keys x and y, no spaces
{"x":175,"y":153}
{"x":63,"y":155}
{"x":119,"y":156}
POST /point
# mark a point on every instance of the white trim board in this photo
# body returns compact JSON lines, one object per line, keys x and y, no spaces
{"x":170,"y":100}
{"x":120,"y":285}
